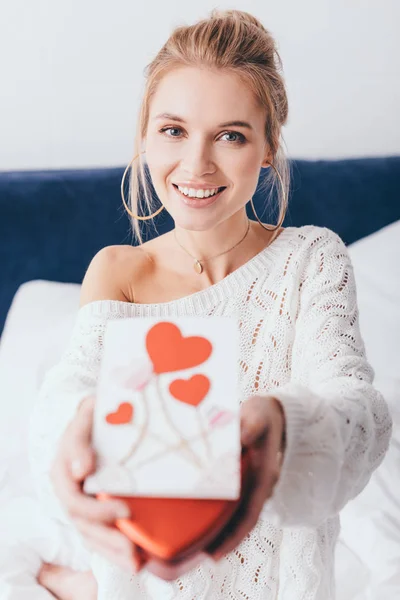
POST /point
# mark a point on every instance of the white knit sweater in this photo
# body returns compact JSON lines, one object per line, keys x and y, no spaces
{"x":300,"y":341}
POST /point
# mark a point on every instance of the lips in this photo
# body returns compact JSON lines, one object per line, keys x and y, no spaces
{"x":195,"y":202}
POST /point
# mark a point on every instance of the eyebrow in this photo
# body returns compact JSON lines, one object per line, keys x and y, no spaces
{"x":227,"y":124}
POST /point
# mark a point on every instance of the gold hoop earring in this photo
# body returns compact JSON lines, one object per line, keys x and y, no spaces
{"x":123,"y":196}
{"x":282,"y":218}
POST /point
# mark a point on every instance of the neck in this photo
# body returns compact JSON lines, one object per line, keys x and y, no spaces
{"x":205,"y":244}
{"x":220,"y":238}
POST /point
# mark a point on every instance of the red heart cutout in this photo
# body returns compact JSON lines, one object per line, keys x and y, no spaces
{"x":190,"y":391}
{"x":122,"y":415}
{"x":170,"y":351}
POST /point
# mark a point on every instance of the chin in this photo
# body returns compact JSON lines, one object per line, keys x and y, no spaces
{"x":196,"y":220}
{"x":196,"y":214}
{"x":193,"y":224}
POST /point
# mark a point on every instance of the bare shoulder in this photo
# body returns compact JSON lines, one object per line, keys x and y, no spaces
{"x":111,"y":272}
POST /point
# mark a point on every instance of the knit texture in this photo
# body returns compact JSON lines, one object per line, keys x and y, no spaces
{"x":300,"y":341}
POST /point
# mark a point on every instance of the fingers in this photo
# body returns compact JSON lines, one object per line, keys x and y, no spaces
{"x":65,"y":583}
{"x":257,"y":414}
{"x":243,"y":526}
{"x":272,"y":462}
{"x":111,"y":543}
{"x":113,"y":557}
{"x":80,"y":506}
{"x":265,"y":460}
{"x":75,"y":453}
{"x":76,"y":460}
{"x":80,"y":452}
{"x":243,"y":522}
{"x":253,"y":419}
{"x":110,"y":537}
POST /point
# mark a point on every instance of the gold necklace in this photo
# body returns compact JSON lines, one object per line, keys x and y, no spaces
{"x":197,"y":265}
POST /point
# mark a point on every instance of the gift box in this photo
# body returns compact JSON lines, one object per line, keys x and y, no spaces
{"x":167,"y":430}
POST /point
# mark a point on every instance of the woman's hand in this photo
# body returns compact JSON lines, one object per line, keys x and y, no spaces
{"x":94,"y":519}
{"x":262,"y":434}
{"x":262,"y":430}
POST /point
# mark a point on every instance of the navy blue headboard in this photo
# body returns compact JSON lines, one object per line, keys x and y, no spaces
{"x":53,"y":222}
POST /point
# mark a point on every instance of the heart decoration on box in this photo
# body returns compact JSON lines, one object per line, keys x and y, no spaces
{"x":170,"y":351}
{"x":122,"y":415}
{"x":190,"y":391}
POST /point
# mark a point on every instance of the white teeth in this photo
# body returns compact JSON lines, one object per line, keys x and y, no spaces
{"x":192,"y":193}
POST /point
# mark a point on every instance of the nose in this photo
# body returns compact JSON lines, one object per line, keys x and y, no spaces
{"x":197,"y":160}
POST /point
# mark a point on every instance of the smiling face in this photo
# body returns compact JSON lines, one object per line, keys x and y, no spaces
{"x":205,"y":132}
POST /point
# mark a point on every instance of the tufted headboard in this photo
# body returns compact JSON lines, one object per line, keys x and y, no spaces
{"x":53,"y":222}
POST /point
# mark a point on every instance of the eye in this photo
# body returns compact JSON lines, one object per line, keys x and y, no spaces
{"x":240,"y":139}
{"x":165,"y":129}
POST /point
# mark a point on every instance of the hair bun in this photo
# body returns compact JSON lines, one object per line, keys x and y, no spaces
{"x":238,"y":15}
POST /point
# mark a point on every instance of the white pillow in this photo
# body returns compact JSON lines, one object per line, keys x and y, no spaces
{"x":36,"y":332}
{"x":376,"y":261}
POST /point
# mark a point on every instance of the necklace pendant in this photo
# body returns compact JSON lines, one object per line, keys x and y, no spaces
{"x":198,"y":267}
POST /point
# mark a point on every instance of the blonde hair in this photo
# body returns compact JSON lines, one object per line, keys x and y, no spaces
{"x":232,"y":41}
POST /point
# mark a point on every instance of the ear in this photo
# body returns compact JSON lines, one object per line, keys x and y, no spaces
{"x":267,"y":161}
{"x":265,"y":164}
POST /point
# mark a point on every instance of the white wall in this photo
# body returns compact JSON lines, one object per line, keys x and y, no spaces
{"x":72,"y":75}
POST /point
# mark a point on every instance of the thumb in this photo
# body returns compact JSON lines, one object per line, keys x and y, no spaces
{"x":82,"y":456}
{"x":253,"y":420}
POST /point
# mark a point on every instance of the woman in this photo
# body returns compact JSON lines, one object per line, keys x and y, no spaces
{"x":211,"y":118}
